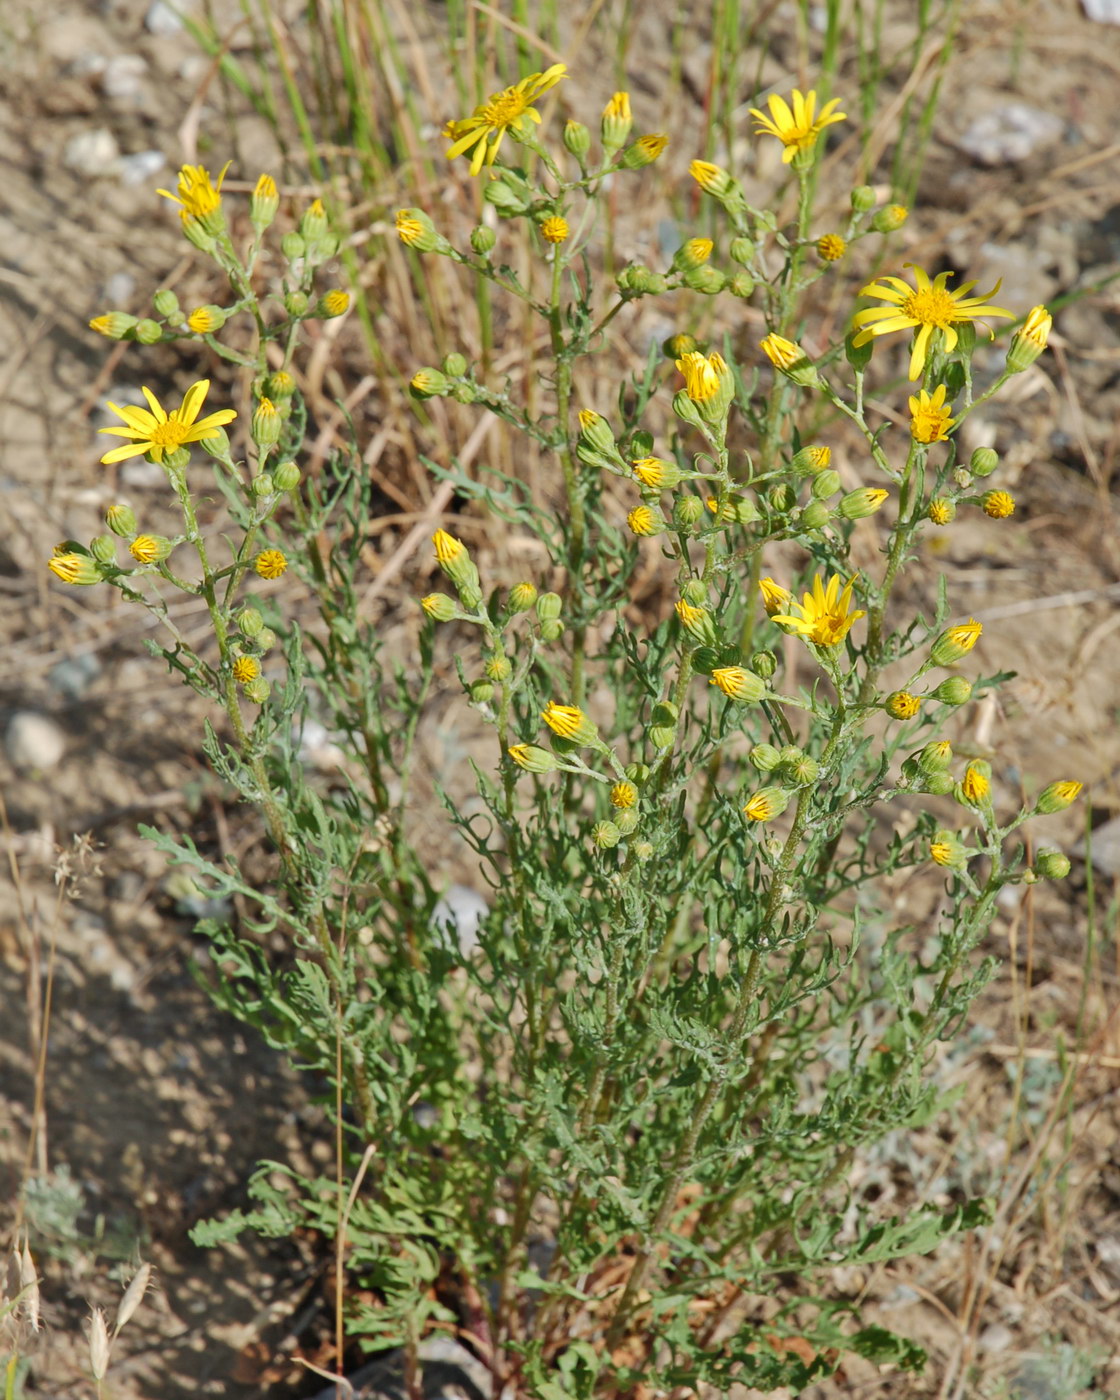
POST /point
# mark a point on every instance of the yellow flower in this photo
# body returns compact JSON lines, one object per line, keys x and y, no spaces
{"x":737,"y":683}
{"x":410,"y":229}
{"x":643,"y":521}
{"x":798,"y":129}
{"x":503,"y":111}
{"x":246,"y":668}
{"x":1030,"y":340}
{"x":925,"y":307}
{"x":825,"y":615}
{"x":149,"y":549}
{"x":623,"y":795}
{"x":766,"y":803}
{"x":781,"y":353}
{"x":198,"y":197}
{"x":831,"y":247}
{"x":976,"y":785}
{"x":569,"y":722}
{"x":900,"y":704}
{"x":941,"y":511}
{"x":701,"y":374}
{"x":946,"y":850}
{"x":71,"y":567}
{"x":930,"y":420}
{"x":448,"y":548}
{"x":270,"y":563}
{"x":334,"y":302}
{"x":998,"y":504}
{"x":775,"y":598}
{"x":554,"y":229}
{"x":955,"y":642}
{"x":157,"y":432}
{"x":202,"y":320}
{"x":712,"y":179}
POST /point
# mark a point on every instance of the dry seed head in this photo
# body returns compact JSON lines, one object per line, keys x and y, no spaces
{"x":99,"y":1345}
{"x":133,"y":1297}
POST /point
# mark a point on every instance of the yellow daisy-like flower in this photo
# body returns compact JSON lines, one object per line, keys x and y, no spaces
{"x":157,"y":432}
{"x":930,"y":420}
{"x":270,"y":564}
{"x":901,"y":704}
{"x":926,"y":307}
{"x":701,"y":374}
{"x":483,"y":131}
{"x":775,"y":598}
{"x":202,"y":320}
{"x":975,"y":785}
{"x":554,"y":229}
{"x":448,"y":548}
{"x":198,"y":197}
{"x":623,"y":795}
{"x":798,"y":129}
{"x":831,"y":247}
{"x":941,"y":511}
{"x":410,"y":229}
{"x":998,"y":504}
{"x":569,"y":722}
{"x":643,"y":521}
{"x":825,"y":615}
{"x":246,"y":668}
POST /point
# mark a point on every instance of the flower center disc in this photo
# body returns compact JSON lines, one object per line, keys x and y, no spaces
{"x":931,"y":308}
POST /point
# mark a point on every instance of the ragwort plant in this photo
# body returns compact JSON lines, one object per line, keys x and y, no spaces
{"x":606,"y":1139}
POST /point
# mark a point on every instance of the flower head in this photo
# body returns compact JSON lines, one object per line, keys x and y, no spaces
{"x":798,"y":129}
{"x":941,"y":511}
{"x":72,"y":567}
{"x":198,"y":197}
{"x":955,"y":642}
{"x":701,"y":374}
{"x":554,"y":229}
{"x":831,"y":247}
{"x":737,"y":683}
{"x":766,"y":803}
{"x":246,"y":668}
{"x":270,"y":563}
{"x":926,"y":307}
{"x":157,"y":431}
{"x":825,"y":615}
{"x":569,"y":722}
{"x":775,"y":598}
{"x":482,"y":132}
{"x":901,"y":704}
{"x":930,"y":420}
{"x":998,"y":504}
{"x":1030,"y":340}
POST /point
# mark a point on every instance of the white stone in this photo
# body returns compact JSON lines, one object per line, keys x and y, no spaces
{"x":92,"y":153}
{"x":34,"y":742}
{"x":141,"y":166}
{"x":1010,"y":133}
{"x":163,"y":18}
{"x":123,"y":77}
{"x":1103,"y":11}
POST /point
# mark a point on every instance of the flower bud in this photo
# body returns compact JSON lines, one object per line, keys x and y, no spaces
{"x":858,"y":356}
{"x":863,"y":199}
{"x":693,"y":254}
{"x":644,"y":151}
{"x":605,"y":835}
{"x":267,"y":424}
{"x":802,"y":770}
{"x":947,"y":850}
{"x":737,"y":683}
{"x":790,"y":360}
{"x":522,"y":596}
{"x":741,"y":285}
{"x":616,"y":123}
{"x":935,"y":757}
{"x":900,"y":704}
{"x":1057,"y":797}
{"x":766,"y":803}
{"x":552,"y":629}
{"x":765,"y":757}
{"x":455,"y":364}
{"x":939,"y":784}
{"x":292,"y":246}
{"x":1050,"y":864}
{"x":504,"y":198}
{"x":698,"y":623}
{"x":263,"y":486}
{"x":890,"y":218}
{"x":296,"y":303}
{"x":857,"y":505}
{"x":687,"y":511}
{"x":333,"y":303}
{"x":764,"y":664}
{"x":205,"y":320}
{"x":74,"y":568}
{"x":742,"y":250}
{"x":104,"y":549}
{"x":257,"y":691}
{"x":549,"y":607}
{"x":264,"y":203}
{"x":246,"y":669}
{"x":313,"y":225}
{"x":121,"y":520}
{"x":533,"y":759}
{"x":983,"y":461}
{"x":482,"y":692}
{"x":941,"y":511}
{"x":148,"y":332}
{"x":782,"y":498}
{"x":954,"y":690}
{"x":165,"y":302}
{"x":998,"y":505}
{"x":439,"y":607}
{"x":623,"y":795}
{"x":265,"y":639}
{"x":657,"y":475}
{"x":811,"y":460}
{"x":429,"y":383}
{"x":709,"y":281}
{"x":250,"y":623}
{"x":976,"y":784}
{"x":825,"y":484}
{"x":150,"y":549}
{"x":577,"y":139}
{"x":216,"y":446}
{"x":956,"y":642}
{"x":1029,"y":341}
{"x":115,"y":325}
{"x":627,"y":821}
{"x":661,"y":736}
{"x":483,"y":240}
{"x":498,"y":668}
{"x":416,"y":230}
{"x":815,"y":516}
{"x":286,"y":476}
{"x":695,"y":592}
{"x":569,"y":722}
{"x":596,"y":432}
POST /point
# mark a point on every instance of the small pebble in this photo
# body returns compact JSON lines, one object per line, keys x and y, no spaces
{"x":72,"y":677}
{"x":120,"y":288}
{"x":140,"y":167}
{"x":162,"y":18}
{"x":996,"y":1337}
{"x":34,"y":743}
{"x":122,"y":78}
{"x":92,"y":153}
{"x":1010,"y":133}
{"x":1103,"y":11}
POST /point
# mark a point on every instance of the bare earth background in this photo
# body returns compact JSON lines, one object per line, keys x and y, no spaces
{"x":156,"y":1106}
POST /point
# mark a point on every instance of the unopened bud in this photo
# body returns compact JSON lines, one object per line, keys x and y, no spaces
{"x":577,"y":139}
{"x":483,"y":240}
